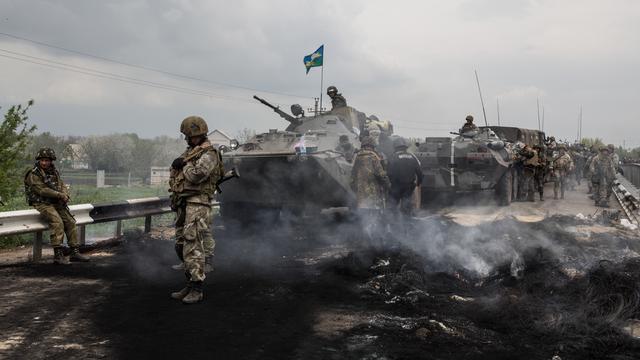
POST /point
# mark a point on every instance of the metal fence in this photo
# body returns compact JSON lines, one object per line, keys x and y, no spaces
{"x":632,"y":173}
{"x":30,"y":221}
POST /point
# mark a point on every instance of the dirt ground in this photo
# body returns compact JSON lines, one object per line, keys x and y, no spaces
{"x":499,"y":289}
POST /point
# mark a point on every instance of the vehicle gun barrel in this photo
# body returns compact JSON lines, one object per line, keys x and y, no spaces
{"x":282,"y":114}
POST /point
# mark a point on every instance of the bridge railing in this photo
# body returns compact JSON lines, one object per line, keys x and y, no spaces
{"x":30,"y":221}
{"x":632,"y":173}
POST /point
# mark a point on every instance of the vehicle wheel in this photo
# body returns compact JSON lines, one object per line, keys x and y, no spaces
{"x":504,"y":189}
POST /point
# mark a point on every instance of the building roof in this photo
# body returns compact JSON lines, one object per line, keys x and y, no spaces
{"x":221,"y":133}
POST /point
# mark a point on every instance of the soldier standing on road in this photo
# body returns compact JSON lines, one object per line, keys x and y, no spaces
{"x":468,"y":125}
{"x":405,"y":175}
{"x":603,"y":173}
{"x":540,"y":170}
{"x":562,"y":167}
{"x":46,"y":192}
{"x":193,"y":182}
{"x":370,"y":183}
{"x":587,"y":168}
{"x":529,"y":159}
{"x":337,"y":100}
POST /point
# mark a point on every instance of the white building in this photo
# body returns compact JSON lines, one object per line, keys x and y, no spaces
{"x":218,"y":137}
{"x":159,"y":175}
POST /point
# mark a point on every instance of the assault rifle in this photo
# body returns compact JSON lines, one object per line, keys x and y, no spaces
{"x":233,"y":173}
{"x":282,"y":114}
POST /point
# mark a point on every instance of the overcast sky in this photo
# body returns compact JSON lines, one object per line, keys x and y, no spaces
{"x":411,"y":62}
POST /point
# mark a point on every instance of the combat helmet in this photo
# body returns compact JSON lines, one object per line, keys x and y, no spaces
{"x":332,"y":90}
{"x":605,"y":147}
{"x":469,"y":118}
{"x":367,"y":141}
{"x":611,"y":147}
{"x":400,"y":143}
{"x":194,"y":126}
{"x":46,"y":153}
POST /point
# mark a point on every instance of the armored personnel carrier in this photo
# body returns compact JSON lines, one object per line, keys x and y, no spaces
{"x":475,"y":160}
{"x":303,"y":169}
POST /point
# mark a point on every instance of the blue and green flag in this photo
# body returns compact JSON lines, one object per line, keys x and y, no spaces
{"x":314,"y":59}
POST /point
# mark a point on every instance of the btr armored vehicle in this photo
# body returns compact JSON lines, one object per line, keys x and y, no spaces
{"x":303,"y":169}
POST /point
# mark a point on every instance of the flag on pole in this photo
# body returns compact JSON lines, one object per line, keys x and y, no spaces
{"x":314,"y":59}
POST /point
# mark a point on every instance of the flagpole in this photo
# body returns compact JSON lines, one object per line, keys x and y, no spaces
{"x":321,"y":83}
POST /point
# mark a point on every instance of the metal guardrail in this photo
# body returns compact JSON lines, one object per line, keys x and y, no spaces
{"x":628,"y":197}
{"x":30,"y":221}
{"x":632,"y":173}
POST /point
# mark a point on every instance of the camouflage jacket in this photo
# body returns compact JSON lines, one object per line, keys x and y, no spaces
{"x":196,"y":181}
{"x":602,"y":169}
{"x":338,"y":101}
{"x":44,"y":186}
{"x":563,"y":164}
{"x":369,"y":180}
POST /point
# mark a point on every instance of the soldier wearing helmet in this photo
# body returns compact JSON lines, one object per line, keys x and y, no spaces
{"x":337,"y":100}
{"x":562,"y":167}
{"x":468,"y":125}
{"x":405,"y":175}
{"x":194,"y":176}
{"x":603,"y":173}
{"x":370,"y":184}
{"x":46,"y":192}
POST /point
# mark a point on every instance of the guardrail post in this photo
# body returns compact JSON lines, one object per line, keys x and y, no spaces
{"x":147,"y":223}
{"x":82,"y":235}
{"x":118,"y":228}
{"x":37,"y":246}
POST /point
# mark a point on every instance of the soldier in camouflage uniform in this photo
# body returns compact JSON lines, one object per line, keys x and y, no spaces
{"x":540,"y":171}
{"x":529,"y":159}
{"x":370,"y":183}
{"x":193,"y":180}
{"x":602,"y":173}
{"x":587,"y":168}
{"x":46,"y":192}
{"x":562,"y":167}
{"x":468,"y":125}
{"x":337,"y":100}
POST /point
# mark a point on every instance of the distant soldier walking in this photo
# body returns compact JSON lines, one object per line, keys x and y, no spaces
{"x":405,"y":175}
{"x":192,"y":184}
{"x":540,"y":170}
{"x":602,"y":173}
{"x":46,"y":192}
{"x":370,"y":183}
{"x":562,"y":167}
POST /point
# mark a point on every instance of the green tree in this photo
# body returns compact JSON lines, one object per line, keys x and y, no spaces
{"x":14,"y":139}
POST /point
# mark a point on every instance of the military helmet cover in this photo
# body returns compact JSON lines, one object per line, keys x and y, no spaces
{"x":46,"y":153}
{"x":194,"y":126}
{"x":611,"y":147}
{"x":469,"y":118}
{"x":332,"y":89}
{"x":367,"y":141}
{"x":399,"y":142}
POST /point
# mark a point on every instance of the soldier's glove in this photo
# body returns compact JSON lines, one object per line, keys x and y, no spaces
{"x":178,"y":163}
{"x":64,"y":198}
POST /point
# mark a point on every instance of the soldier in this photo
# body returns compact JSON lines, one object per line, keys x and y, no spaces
{"x":46,"y":192}
{"x":193,"y":182}
{"x":540,"y":171}
{"x":603,"y":173}
{"x":529,"y":159}
{"x":370,"y":183}
{"x":562,"y":167}
{"x":345,"y":147}
{"x":337,"y":100}
{"x":405,"y":175}
{"x":587,"y":168}
{"x":468,"y":125}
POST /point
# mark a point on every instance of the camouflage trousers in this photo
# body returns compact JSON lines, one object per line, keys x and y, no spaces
{"x":61,"y":222}
{"x":528,"y":183}
{"x":602,"y":191}
{"x":559,"y":183}
{"x":193,"y":232}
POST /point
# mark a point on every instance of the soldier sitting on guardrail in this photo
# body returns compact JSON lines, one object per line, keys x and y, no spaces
{"x":46,"y":192}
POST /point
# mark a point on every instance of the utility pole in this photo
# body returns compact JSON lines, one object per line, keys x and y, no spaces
{"x":538,"y":107}
{"x":498,"y":106}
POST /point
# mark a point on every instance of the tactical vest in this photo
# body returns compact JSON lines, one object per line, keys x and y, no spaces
{"x":52,"y":181}
{"x":179,"y":185}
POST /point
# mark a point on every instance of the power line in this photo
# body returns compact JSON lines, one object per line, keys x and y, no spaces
{"x":150,"y":68}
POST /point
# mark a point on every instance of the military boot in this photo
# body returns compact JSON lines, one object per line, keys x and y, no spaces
{"x":195,"y":294}
{"x":179,"y":295}
{"x":179,"y":267}
{"x":541,"y":196}
{"x":58,"y":256}
{"x":562,"y":194}
{"x":76,"y":256}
